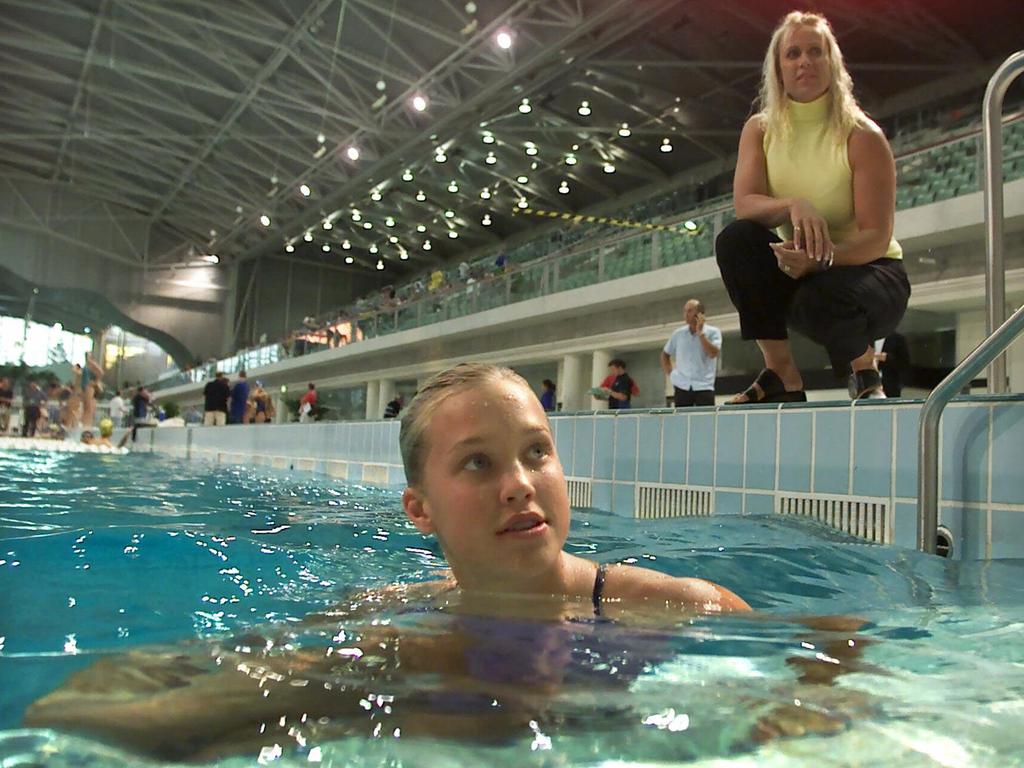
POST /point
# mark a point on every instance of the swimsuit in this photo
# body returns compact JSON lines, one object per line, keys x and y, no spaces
{"x":598,"y":588}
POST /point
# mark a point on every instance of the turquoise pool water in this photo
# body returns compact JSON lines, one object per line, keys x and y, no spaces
{"x":101,"y":555}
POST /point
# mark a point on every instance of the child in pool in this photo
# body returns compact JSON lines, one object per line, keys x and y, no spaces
{"x":483,"y":476}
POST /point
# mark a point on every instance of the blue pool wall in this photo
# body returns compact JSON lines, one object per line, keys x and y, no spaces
{"x":748,"y":459}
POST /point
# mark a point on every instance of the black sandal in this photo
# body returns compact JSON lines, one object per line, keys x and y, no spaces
{"x":768,"y":388}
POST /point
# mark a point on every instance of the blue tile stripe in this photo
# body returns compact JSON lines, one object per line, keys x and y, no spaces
{"x":747,"y":458}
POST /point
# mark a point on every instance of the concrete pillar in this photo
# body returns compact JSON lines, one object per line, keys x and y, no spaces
{"x":970,"y":332}
{"x":372,"y":400}
{"x":559,"y":378}
{"x":281,"y":415}
{"x":598,"y":371}
{"x":387,"y":394}
{"x":571,"y":384}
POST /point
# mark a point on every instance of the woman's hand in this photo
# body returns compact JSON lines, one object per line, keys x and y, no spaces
{"x":795,"y":262}
{"x":810,"y":230}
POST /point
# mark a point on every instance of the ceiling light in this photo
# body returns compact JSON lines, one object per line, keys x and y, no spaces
{"x":308,"y":237}
{"x":449,"y":214}
{"x":563,"y":188}
{"x":374,"y":248}
{"x":380,"y":265}
{"x":349,"y":260}
{"x":393,"y":240}
{"x":490,"y":159}
{"x":575,"y":147}
{"x":238,"y":209}
{"x":320,"y":138}
{"x":486,"y":220}
{"x":403,"y":254}
{"x":570,"y":160}
{"x":522,"y":203}
{"x":375,"y":196}
{"x":453,"y":187}
{"x":503,"y":39}
{"x":470,"y":7}
{"x":328,"y":225}
{"x":367,"y":225}
{"x":353,"y":153}
{"x":485,"y":193}
{"x":453,"y":234}
{"x":389,"y":222}
{"x":426,"y":245}
{"x":666,"y":145}
{"x":289,"y":248}
{"x":690,"y":225}
{"x":624,"y":131}
{"x":381,"y":85}
{"x":213,"y":258}
{"x":304,"y":190}
{"x":407,"y":176}
{"x":440,"y":157}
{"x":274,"y":179}
{"x":420,"y":196}
{"x":524,"y":107}
{"x":346,"y":245}
{"x":609,"y":168}
{"x":421,"y":227}
{"x":584,"y":108}
{"x":522,"y":179}
{"x":488,"y":137}
{"x":325,"y":248}
{"x":357,"y":216}
{"x":531,"y":148}
{"x":419,"y":102}
{"x":265,"y":220}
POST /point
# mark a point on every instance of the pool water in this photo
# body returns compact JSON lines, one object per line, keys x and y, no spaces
{"x":101,"y":555}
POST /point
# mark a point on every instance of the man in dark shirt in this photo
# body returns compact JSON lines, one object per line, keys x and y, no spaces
{"x":239,"y":400}
{"x":618,"y":386}
{"x":140,"y":405}
{"x":216,"y":394}
{"x":32,"y":400}
{"x":394,"y":407}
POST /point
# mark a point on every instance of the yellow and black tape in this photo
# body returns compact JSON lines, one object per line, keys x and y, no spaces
{"x":578,"y":218}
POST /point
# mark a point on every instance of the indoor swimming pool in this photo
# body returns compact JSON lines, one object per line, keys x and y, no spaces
{"x":154,"y":583}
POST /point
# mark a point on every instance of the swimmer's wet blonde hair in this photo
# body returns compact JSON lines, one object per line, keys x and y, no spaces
{"x":844,"y":112}
{"x":415,"y":418}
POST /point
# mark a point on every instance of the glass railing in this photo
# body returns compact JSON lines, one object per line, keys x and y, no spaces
{"x":924,"y":176}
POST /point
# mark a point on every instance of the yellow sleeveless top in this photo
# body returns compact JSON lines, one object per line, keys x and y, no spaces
{"x":809,"y":164}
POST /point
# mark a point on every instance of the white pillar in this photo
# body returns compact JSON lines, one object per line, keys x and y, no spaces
{"x":598,"y":371}
{"x":571,"y":384}
{"x":280,"y":415}
{"x":372,"y":400}
{"x":559,"y":378}
{"x":387,"y":394}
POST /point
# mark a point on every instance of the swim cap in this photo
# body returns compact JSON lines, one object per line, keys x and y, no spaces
{"x":106,"y":427}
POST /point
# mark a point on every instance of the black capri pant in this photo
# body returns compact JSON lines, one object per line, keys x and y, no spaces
{"x":844,"y":308}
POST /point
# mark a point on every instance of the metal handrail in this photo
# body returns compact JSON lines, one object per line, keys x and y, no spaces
{"x":992,"y":186}
{"x":991,"y":350}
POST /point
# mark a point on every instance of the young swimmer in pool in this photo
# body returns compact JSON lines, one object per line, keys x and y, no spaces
{"x":483,"y":476}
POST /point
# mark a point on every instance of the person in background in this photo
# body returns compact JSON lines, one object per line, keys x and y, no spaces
{"x":193,"y":415}
{"x":813,"y":167}
{"x":239,"y":401}
{"x":6,"y":401}
{"x":53,"y":407}
{"x":547,"y":395}
{"x":32,"y":400}
{"x":118,"y":409}
{"x":215,"y":396}
{"x":307,"y":404}
{"x":893,"y":356}
{"x":140,"y":404}
{"x":91,"y":386}
{"x":618,"y":386}
{"x":263,"y":406}
{"x":394,"y":407}
{"x":690,"y":357}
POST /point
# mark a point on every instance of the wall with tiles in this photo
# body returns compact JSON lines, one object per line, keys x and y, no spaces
{"x":851,"y":466}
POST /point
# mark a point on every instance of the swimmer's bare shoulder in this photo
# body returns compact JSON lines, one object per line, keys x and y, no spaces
{"x":629,"y":583}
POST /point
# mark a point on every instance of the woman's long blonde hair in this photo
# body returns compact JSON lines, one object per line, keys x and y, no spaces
{"x":845,"y":113}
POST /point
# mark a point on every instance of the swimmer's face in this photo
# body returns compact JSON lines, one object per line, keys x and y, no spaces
{"x":804,"y":63}
{"x":493,"y":490}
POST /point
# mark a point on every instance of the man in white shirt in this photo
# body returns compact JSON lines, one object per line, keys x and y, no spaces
{"x":117,"y":409}
{"x":690,"y":358}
